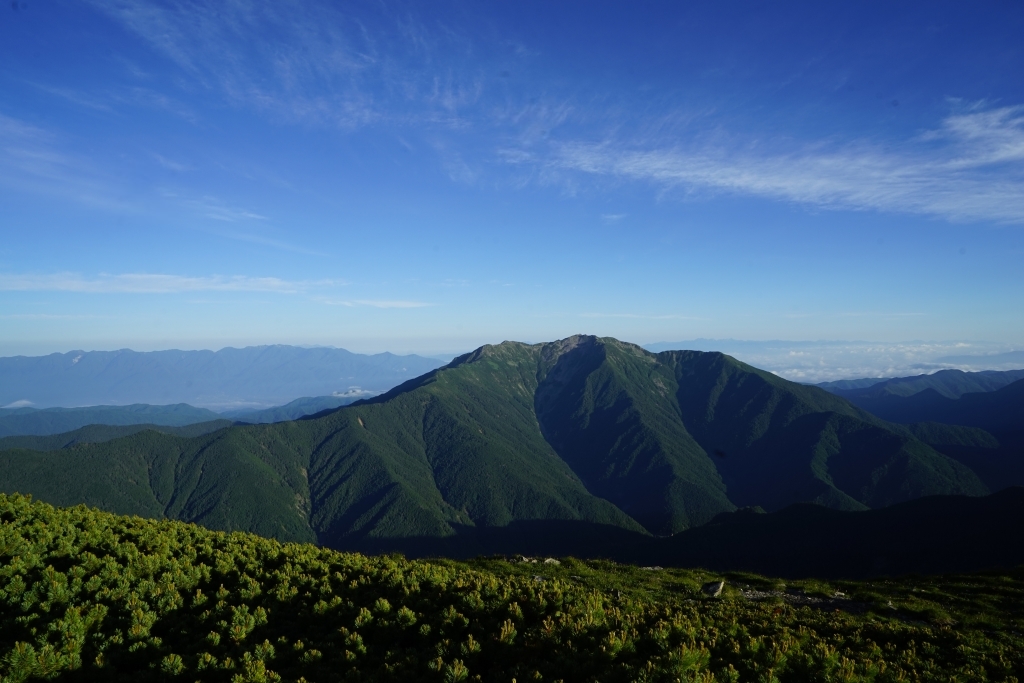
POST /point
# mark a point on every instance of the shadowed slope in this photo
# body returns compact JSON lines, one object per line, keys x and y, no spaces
{"x":776,"y":442}
{"x":928,"y":536}
{"x":947,"y":383}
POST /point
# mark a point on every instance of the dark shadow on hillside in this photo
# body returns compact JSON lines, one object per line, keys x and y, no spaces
{"x":550,"y":538}
{"x":998,"y":468}
{"x":936,"y":535}
{"x":940,"y":534}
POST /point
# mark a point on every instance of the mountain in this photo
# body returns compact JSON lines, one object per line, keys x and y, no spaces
{"x":1000,"y":411}
{"x":293,"y":410}
{"x":982,"y":430}
{"x":31,"y":421}
{"x":846,"y":384}
{"x":253,"y":377}
{"x":98,"y":433}
{"x":582,"y":445}
{"x":56,"y":421}
{"x":947,"y":383}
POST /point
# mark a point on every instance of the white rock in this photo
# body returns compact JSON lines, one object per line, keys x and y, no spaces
{"x":714,"y":588}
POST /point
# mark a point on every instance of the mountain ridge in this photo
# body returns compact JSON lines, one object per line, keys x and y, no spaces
{"x":948,"y":383}
{"x":570,"y":438}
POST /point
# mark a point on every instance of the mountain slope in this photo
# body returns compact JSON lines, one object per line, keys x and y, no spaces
{"x":583,"y":438}
{"x":947,"y":383}
{"x":776,"y":442}
{"x":999,"y":411}
{"x":984,"y":431}
{"x":31,"y":421}
{"x":98,"y":433}
{"x":293,"y":410}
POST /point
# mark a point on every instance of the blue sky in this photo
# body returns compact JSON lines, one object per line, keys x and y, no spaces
{"x":429,"y":177}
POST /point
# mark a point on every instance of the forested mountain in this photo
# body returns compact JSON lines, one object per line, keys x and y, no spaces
{"x":98,"y":433}
{"x":31,"y":421}
{"x":947,"y":383}
{"x":582,"y":443}
{"x":983,"y":430}
{"x":58,"y":421}
{"x":999,"y":412}
{"x":253,"y":377}
{"x":293,"y":410}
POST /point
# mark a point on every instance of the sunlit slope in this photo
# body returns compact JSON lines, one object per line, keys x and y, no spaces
{"x":457,"y":448}
{"x":583,"y":438}
{"x":228,"y":479}
{"x":97,"y":433}
{"x":90,"y":596}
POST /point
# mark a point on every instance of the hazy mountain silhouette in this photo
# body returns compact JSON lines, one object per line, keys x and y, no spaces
{"x":251,"y":378}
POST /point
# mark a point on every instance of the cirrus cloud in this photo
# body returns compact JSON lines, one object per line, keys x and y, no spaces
{"x":971,"y":167}
{"x":154,"y":283}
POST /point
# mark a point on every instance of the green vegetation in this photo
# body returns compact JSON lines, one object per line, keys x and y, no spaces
{"x":47,"y":421}
{"x":1000,"y":412}
{"x":293,"y":410}
{"x":99,"y":433}
{"x":86,"y":595}
{"x":947,"y":383}
{"x":579,"y":446}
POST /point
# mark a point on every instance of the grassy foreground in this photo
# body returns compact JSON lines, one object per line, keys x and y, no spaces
{"x":86,"y":595}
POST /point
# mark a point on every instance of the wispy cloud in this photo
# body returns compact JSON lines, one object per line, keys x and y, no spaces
{"x":152,"y":283}
{"x":376,"y":303}
{"x":641,"y":316}
{"x":170,"y":164}
{"x":75,"y":97}
{"x":32,"y":160}
{"x":47,"y":316}
{"x":296,"y":60}
{"x":971,"y":167}
{"x":273,"y":243}
{"x":323,"y":63}
{"x":13,"y":131}
{"x":211,"y":207}
{"x":112,"y":100}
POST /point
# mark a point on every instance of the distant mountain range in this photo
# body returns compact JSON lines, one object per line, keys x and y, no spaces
{"x":587,"y":444}
{"x":948,"y":383}
{"x":34,"y":422}
{"x":989,"y":424}
{"x":293,"y":410}
{"x":99,"y":433}
{"x":54,"y":421}
{"x":1000,"y":412}
{"x":251,"y":378}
